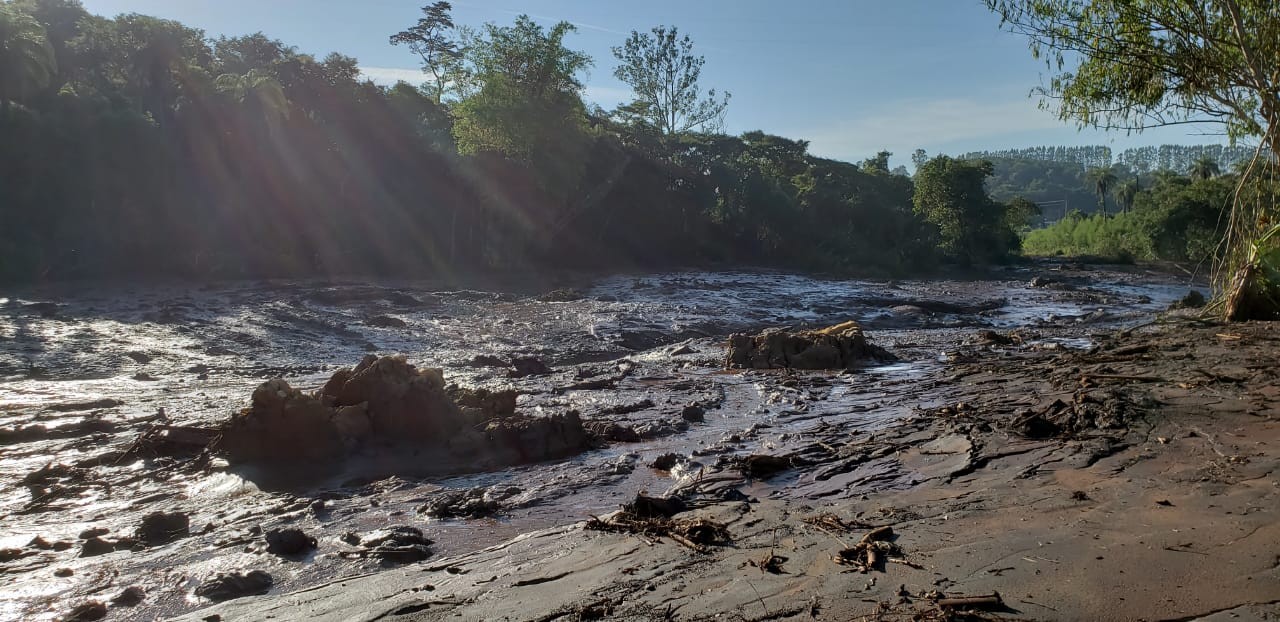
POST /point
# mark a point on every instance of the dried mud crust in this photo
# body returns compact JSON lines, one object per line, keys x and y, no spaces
{"x":1132,"y":481}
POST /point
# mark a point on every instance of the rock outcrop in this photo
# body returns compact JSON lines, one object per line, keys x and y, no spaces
{"x":386,"y":405}
{"x":842,"y":346}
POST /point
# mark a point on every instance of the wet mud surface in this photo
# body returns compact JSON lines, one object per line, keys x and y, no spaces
{"x":83,"y":372}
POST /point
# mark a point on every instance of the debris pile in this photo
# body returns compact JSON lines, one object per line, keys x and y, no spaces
{"x":654,"y":517}
{"x":843,"y":346}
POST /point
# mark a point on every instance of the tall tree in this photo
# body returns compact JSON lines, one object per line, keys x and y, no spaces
{"x":26,"y":59}
{"x":1126,"y":193}
{"x":430,"y":39}
{"x":1205,"y":167}
{"x":1102,"y":179}
{"x":951,"y":195}
{"x":662,"y":70}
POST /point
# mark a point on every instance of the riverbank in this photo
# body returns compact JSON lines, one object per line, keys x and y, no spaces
{"x":1152,"y":500}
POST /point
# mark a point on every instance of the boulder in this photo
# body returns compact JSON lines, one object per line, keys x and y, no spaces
{"x":842,"y":346}
{"x":283,"y":425}
{"x":387,"y":404}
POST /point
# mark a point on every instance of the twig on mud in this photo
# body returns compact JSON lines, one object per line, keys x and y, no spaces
{"x":1084,"y":377}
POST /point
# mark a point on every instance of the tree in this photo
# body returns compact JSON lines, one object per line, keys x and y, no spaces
{"x":918,"y":158}
{"x":529,"y":93}
{"x":1205,"y":167}
{"x":663,"y":72}
{"x":257,"y":90}
{"x":1125,"y":193}
{"x":430,"y":40}
{"x":1102,"y":179}
{"x":951,"y":195}
{"x":26,"y":59}
{"x":1133,"y":64}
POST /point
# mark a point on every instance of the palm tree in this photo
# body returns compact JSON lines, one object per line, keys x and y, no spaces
{"x":1103,"y":179}
{"x":1125,"y":194}
{"x":26,"y":58}
{"x":1205,"y":167}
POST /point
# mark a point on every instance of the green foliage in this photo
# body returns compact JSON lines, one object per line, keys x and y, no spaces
{"x":27,"y":61}
{"x":1176,"y":220}
{"x":663,"y":73}
{"x":951,"y":195}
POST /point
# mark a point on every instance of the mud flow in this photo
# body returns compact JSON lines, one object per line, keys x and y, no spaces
{"x":146,"y":530}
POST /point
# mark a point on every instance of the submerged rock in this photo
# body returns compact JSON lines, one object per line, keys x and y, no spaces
{"x":842,"y":346}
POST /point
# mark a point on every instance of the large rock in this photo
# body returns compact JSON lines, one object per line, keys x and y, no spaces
{"x":842,"y":346}
{"x":386,"y":404}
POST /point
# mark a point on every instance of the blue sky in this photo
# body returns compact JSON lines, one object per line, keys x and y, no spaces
{"x":851,"y":76}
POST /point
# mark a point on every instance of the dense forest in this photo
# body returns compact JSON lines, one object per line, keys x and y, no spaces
{"x":137,"y":146}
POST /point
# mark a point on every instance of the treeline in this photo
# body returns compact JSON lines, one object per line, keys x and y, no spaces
{"x":1176,"y":158}
{"x":1176,"y":218}
{"x":137,"y":146}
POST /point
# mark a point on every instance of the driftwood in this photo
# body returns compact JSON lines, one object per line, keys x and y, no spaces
{"x":991,"y":600}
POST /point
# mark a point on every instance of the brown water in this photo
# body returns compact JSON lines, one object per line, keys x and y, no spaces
{"x":204,"y":349}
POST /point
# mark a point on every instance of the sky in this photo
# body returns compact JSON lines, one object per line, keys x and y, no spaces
{"x":853,"y":77}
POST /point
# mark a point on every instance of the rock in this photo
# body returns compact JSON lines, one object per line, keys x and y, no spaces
{"x":8,"y":555}
{"x":842,"y":346}
{"x":159,"y":528}
{"x":640,"y":340}
{"x":289,"y":542}
{"x":84,"y":612}
{"x":472,"y":503}
{"x":406,"y":405}
{"x":235,"y":585}
{"x":143,"y":376}
{"x":524,"y":440}
{"x":94,"y":532}
{"x":682,"y":350}
{"x":693,"y":413}
{"x":385,"y":321}
{"x":1193,"y":300}
{"x":139,"y":357}
{"x":388,"y":404}
{"x":528,"y":366}
{"x":487,"y":360}
{"x":283,"y":426}
{"x":610,"y":431}
{"x":1041,"y":281}
{"x":481,"y":405}
{"x":44,"y":309}
{"x":667,"y":461}
{"x":400,"y":543}
{"x":762,"y":466}
{"x":129,"y":597}
{"x":655,"y":507}
{"x":96,"y":546}
{"x":63,"y":572}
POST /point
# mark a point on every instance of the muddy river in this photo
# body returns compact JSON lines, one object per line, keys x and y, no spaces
{"x":85,"y":369}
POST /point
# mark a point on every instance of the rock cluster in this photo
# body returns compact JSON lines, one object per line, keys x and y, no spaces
{"x":842,"y":346}
{"x":386,"y":404}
